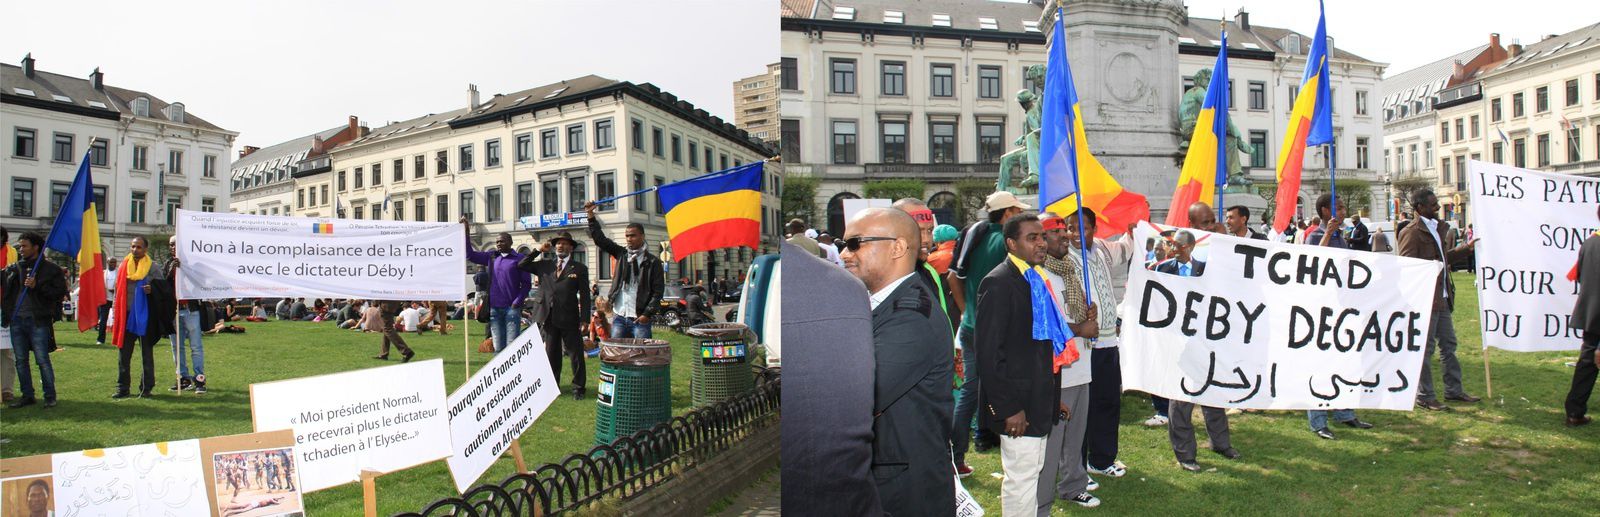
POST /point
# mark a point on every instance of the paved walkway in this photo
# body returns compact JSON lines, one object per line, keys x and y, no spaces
{"x":760,"y":499}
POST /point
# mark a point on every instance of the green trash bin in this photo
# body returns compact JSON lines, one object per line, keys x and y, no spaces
{"x":722,"y":363}
{"x":635,"y":387}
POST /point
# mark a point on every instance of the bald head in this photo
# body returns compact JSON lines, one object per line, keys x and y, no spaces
{"x":924,"y":218}
{"x":1201,"y":217}
{"x":887,"y":246}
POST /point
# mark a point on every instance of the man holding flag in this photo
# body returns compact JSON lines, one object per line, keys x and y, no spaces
{"x":140,"y":316}
{"x":33,"y":290}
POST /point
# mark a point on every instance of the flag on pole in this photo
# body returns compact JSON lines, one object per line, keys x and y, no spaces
{"x":718,"y":210}
{"x":76,"y":233}
{"x":1310,"y":124}
{"x":1205,"y":168}
{"x":338,"y":206}
{"x":385,"y":208}
{"x":1503,"y":138}
{"x":1069,"y":171}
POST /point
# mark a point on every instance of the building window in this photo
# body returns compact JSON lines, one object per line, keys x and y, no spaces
{"x":1461,"y":129}
{"x":894,"y":78}
{"x":605,"y":186}
{"x":1519,"y":152}
{"x":175,"y":161}
{"x":136,"y":207}
{"x":208,"y":167}
{"x":788,"y":73}
{"x":419,"y":162}
{"x":1544,"y":149}
{"x":1427,"y":149}
{"x":894,"y":141}
{"x":1494,"y":110}
{"x":604,"y":267}
{"x":465,"y":158}
{"x":1516,"y":105}
{"x":524,"y":200}
{"x":1572,"y":92}
{"x":312,"y":193}
{"x":1475,"y":125}
{"x":25,"y":142}
{"x":694,"y":155}
{"x":1361,"y":152}
{"x":524,"y":147}
{"x":1461,"y":173}
{"x":1232,"y":105}
{"x":660,"y":208}
{"x":1361,"y":102}
{"x":1497,"y":152}
{"x":377,"y":174}
{"x":603,"y":139}
{"x":100,"y":206}
{"x":638,"y":184}
{"x":300,"y":198}
{"x":400,"y":211}
{"x":469,"y":206}
{"x":62,"y":150}
{"x":637,"y":133}
{"x":575,"y":139}
{"x":944,"y":80}
{"x":1574,"y":147}
{"x":399,"y":170}
{"x":844,"y":76}
{"x":21,"y":197}
{"x":58,"y":196}
{"x":141,"y":158}
{"x":491,"y":204}
{"x":441,"y":162}
{"x":491,"y":153}
{"x":942,"y":142}
{"x":173,"y":204}
{"x":989,"y":142}
{"x":360,"y":177}
{"x":100,"y":154}
{"x":1258,"y":95}
{"x":657,"y":147}
{"x":1414,"y":156}
{"x":1541,"y":99}
{"x":677,"y":148}
{"x":551,"y":190}
{"x":1258,"y":151}
{"x":360,"y":212}
{"x":789,"y":140}
{"x":988,"y":82}
{"x":1444,"y":177}
{"x":421,"y":212}
{"x":708,"y":158}
{"x":547,"y":144}
{"x":723,"y":158}
{"x":1444,"y":132}
{"x":325,"y":197}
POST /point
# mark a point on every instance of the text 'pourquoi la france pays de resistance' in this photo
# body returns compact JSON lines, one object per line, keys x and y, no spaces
{"x":1330,"y":328}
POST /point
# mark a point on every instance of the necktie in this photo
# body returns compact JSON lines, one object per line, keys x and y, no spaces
{"x":561,"y":266}
{"x":1183,"y":269}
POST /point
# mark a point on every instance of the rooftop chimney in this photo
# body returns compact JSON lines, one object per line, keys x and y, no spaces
{"x":247,"y":150}
{"x":1515,"y":49}
{"x":472,"y":96}
{"x":355,"y":127}
{"x":316,"y":146}
{"x":1242,"y":19}
{"x":97,"y":79}
{"x":27,"y":65}
{"x":1494,"y":40}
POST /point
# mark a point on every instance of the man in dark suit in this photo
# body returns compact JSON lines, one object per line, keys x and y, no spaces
{"x":564,"y":305}
{"x":1585,"y":317}
{"x":1021,"y":397}
{"x":827,"y":429}
{"x":911,"y":349}
{"x":1423,"y":239}
{"x":1182,"y":263}
{"x":1180,"y":414}
{"x":640,"y":280}
{"x":33,"y":290}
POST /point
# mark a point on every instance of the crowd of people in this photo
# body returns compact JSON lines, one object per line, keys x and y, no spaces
{"x":1000,"y":308}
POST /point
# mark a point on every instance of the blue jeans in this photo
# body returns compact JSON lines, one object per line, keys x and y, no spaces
{"x":1160,"y":404}
{"x":1319,"y":417}
{"x":28,"y":337}
{"x":967,"y":402}
{"x":506,"y":324}
{"x":189,"y":332}
{"x":623,"y":327}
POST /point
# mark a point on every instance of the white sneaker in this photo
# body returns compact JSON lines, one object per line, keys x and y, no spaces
{"x":1086,"y":500}
{"x":1093,"y":485}
{"x":1233,"y":411}
{"x":1155,"y":421}
{"x":1116,"y":470}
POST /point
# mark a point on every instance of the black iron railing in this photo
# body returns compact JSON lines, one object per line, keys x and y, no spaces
{"x":624,"y":468}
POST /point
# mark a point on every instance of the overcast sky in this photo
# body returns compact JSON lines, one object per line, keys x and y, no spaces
{"x":1411,"y":33}
{"x":277,"y":70}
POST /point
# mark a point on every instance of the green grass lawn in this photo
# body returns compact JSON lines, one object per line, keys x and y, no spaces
{"x":1507,"y":455}
{"x":88,"y":418}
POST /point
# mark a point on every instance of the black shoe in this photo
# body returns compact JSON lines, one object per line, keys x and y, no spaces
{"x":24,"y":401}
{"x":1433,"y":405}
{"x":1189,"y":466}
{"x":1357,"y":423}
{"x":183,"y":384}
{"x":49,"y":403}
{"x":579,"y":393}
{"x":1571,"y":421}
{"x":120,"y":395}
{"x":199,"y":388}
{"x":407,"y":357}
{"x":1462,"y":398}
{"x":145,"y":394}
{"x":384,"y":357}
{"x":1324,"y":433}
{"x":983,"y":445}
{"x":1230,"y":453}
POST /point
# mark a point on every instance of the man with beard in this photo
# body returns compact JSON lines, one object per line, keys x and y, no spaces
{"x":911,"y":380}
{"x":640,"y":280}
{"x":564,"y":305}
{"x":33,"y":288}
{"x":1424,"y":240}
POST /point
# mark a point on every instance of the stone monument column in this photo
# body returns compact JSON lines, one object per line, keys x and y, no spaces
{"x":1124,"y":56}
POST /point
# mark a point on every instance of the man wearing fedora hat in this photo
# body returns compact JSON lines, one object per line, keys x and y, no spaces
{"x":564,"y":304}
{"x":507,"y":287}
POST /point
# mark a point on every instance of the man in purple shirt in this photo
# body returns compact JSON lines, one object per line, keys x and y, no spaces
{"x":507,"y":287}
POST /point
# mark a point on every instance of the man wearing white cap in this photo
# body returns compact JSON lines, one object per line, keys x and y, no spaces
{"x":980,"y":248}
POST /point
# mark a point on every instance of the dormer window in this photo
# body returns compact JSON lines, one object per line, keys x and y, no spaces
{"x":1030,"y":26}
{"x":175,"y":112}
{"x":141,"y":107}
{"x":844,"y":13}
{"x":941,"y":20}
{"x":895,"y":17}
{"x":988,"y":24}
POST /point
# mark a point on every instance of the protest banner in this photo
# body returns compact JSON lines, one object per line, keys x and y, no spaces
{"x":382,"y":419}
{"x":255,"y":256}
{"x":497,"y":405}
{"x":1531,"y":224}
{"x":154,"y":479}
{"x":1268,"y":325}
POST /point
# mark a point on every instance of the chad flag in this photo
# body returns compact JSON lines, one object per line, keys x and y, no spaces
{"x":1310,"y":123}
{"x":77,"y":233}
{"x":718,"y":210}
{"x":1205,"y":168}
{"x":1068,"y":170}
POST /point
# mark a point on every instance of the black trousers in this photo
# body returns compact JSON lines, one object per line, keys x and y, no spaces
{"x":105,"y":310}
{"x":1583,"y":377}
{"x":146,"y":346}
{"x":571,"y":340}
{"x":1105,"y":407}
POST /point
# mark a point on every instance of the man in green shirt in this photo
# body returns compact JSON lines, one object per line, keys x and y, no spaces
{"x":981,"y":247}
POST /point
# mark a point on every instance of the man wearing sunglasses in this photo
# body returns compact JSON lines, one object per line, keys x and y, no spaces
{"x":911,"y":379}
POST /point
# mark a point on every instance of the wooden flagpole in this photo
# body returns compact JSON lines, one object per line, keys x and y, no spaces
{"x":369,"y":492}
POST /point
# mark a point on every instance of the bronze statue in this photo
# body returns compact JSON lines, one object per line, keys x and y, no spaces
{"x":1189,"y":111}
{"x":1028,"y":143}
